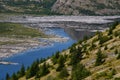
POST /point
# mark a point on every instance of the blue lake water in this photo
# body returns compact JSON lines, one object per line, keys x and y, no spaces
{"x":29,"y":56}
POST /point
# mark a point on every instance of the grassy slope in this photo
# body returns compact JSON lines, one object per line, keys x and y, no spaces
{"x":101,"y":72}
{"x":14,"y":33}
{"x":18,"y":30}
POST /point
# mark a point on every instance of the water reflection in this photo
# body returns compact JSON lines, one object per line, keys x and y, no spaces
{"x":78,"y":31}
{"x":78,"y":35}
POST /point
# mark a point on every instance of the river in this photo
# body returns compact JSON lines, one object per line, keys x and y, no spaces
{"x":29,"y":56}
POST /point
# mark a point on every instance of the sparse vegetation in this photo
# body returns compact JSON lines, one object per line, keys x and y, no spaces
{"x":18,"y":31}
{"x":28,"y":7}
{"x":80,"y":62}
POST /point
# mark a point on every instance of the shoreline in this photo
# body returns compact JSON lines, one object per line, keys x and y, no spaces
{"x":60,"y":19}
{"x":11,"y":50}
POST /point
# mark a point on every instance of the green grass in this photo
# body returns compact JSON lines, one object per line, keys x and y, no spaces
{"x":8,"y":42}
{"x":18,"y":31}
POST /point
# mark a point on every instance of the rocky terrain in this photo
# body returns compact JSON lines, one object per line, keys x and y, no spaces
{"x":87,"y":7}
{"x":61,"y":7}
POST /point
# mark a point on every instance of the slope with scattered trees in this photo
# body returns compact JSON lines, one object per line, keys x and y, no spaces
{"x":41,"y":7}
{"x":96,"y":58}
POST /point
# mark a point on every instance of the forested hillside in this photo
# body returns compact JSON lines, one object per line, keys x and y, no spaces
{"x":65,"y":7}
{"x":41,"y":7}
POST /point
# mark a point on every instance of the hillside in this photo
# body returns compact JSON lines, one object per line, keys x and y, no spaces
{"x":41,"y":7}
{"x":57,"y":7}
{"x":87,"y":7}
{"x":97,"y":58}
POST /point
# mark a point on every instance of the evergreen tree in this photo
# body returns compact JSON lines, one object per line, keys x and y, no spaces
{"x":118,"y":57}
{"x":41,"y":60}
{"x":22,"y":71}
{"x":14,"y":77}
{"x":79,"y":72}
{"x":7,"y":77}
{"x":61,"y":61}
{"x":113,"y":27}
{"x":99,"y":35}
{"x":100,"y":58}
{"x":63,"y":73}
{"x":76,"y":56}
{"x":55,"y":57}
{"x":43,"y":70}
{"x":116,"y":51}
{"x":33,"y":69}
{"x":105,"y":47}
{"x":85,"y":38}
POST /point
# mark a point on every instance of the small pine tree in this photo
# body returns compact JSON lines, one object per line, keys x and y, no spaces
{"x":113,"y":72}
{"x":113,"y":27}
{"x":105,"y":47}
{"x":85,"y":38}
{"x":110,"y":31}
{"x":79,"y":72}
{"x":33,"y":69}
{"x":55,"y":58}
{"x":22,"y":71}
{"x":100,"y":58}
{"x":42,"y":71}
{"x":61,"y":61}
{"x":118,"y":57}
{"x":99,"y":35}
{"x":7,"y":77}
{"x":14,"y":77}
{"x":76,"y":56}
{"x":63,"y":73}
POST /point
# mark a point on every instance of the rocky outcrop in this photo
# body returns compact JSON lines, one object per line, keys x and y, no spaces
{"x":87,"y":7}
